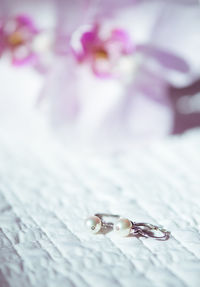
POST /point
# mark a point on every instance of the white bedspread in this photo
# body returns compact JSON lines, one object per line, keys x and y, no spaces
{"x":46,"y":192}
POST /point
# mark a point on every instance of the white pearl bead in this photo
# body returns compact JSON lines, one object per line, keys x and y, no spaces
{"x":123,"y":227}
{"x":93,"y":224}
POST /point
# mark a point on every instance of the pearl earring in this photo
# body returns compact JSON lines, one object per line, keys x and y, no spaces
{"x":93,"y":224}
{"x":96,"y":222}
{"x":124,"y":226}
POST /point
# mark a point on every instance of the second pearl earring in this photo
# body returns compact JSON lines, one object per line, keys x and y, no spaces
{"x":123,"y":227}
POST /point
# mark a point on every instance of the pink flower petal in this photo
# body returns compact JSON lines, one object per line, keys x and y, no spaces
{"x":165,"y":58}
{"x":26,"y":22}
{"x":61,"y":86}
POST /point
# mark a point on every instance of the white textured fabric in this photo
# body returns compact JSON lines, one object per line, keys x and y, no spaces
{"x":46,"y":192}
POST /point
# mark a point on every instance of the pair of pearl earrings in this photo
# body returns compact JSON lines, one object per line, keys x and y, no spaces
{"x":124,"y":226}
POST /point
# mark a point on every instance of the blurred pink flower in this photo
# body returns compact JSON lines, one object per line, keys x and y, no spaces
{"x":26,"y":44}
{"x":112,"y":83}
{"x":103,"y":53}
{"x":16,"y":38}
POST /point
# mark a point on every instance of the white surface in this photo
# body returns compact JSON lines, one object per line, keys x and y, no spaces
{"x":47,"y":192}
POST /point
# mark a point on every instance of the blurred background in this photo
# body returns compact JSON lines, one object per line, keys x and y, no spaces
{"x":99,"y":74}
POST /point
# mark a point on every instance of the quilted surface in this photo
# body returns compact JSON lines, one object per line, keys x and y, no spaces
{"x":46,"y":192}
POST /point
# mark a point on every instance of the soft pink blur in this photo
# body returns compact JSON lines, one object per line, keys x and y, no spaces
{"x":16,"y":35}
{"x":113,"y":72}
{"x":113,"y":83}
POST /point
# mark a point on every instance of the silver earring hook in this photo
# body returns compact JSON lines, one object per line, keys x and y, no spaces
{"x":104,"y":223}
{"x":148,"y":230}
